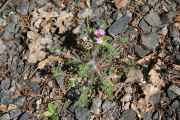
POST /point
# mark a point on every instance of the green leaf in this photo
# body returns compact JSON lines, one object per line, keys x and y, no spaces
{"x":51,"y":108}
{"x":47,"y":114}
{"x":55,"y":117}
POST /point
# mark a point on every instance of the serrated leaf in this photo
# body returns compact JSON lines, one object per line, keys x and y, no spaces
{"x":47,"y":114}
{"x":51,"y":108}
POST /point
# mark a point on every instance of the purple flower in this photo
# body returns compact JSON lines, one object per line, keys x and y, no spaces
{"x":99,"y":40}
{"x":101,"y":32}
{"x":96,"y":32}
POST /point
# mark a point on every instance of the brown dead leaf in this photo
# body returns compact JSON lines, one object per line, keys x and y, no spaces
{"x":121,"y":3}
{"x":43,"y":63}
{"x":177,"y":25}
{"x":134,"y":75}
{"x":155,"y":78}
{"x":3,"y":108}
{"x":12,"y":107}
{"x":177,"y":19}
{"x":176,"y":67}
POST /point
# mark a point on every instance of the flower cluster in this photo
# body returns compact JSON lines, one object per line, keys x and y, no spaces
{"x":99,"y":34}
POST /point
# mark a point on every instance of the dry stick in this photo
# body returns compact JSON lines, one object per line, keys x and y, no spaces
{"x":4,"y":5}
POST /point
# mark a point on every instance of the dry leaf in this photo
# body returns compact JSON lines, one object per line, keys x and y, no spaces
{"x":134,"y":75}
{"x":3,"y":108}
{"x":177,"y":25}
{"x":177,"y":19}
{"x":176,"y":67}
{"x":155,"y":78}
{"x":12,"y":107}
{"x":121,"y":3}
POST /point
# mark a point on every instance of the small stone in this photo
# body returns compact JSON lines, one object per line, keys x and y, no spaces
{"x":3,"y":59}
{"x":15,"y":113}
{"x":145,"y":9}
{"x":84,"y":13}
{"x":107,"y":115}
{"x":174,"y":32}
{"x":71,"y":108}
{"x":128,"y":115}
{"x":73,"y":94}
{"x":175,"y":89}
{"x":144,"y":26}
{"x":148,"y":115}
{"x":164,"y":31}
{"x":140,"y":51}
{"x":96,"y":3}
{"x":25,"y":116}
{"x":5,"y":84}
{"x":2,"y":48}
{"x":69,"y":116}
{"x":152,"y":2}
{"x":164,"y":18}
{"x":50,"y":84}
{"x":22,"y":8}
{"x":119,"y":26}
{"x":178,"y":58}
{"x":60,"y":81}
{"x":96,"y":104}
{"x":5,"y":117}
{"x":156,"y":115}
{"x":178,"y":115}
{"x":20,"y":101}
{"x":155,"y":98}
{"x":171,"y":94}
{"x":35,"y":87}
{"x":5,"y":97}
{"x":82,"y":113}
{"x":59,"y":109}
{"x":107,"y":105}
{"x":153,"y":19}
{"x":41,"y":2}
{"x":116,"y":113}
{"x":150,"y":40}
{"x":77,"y":30}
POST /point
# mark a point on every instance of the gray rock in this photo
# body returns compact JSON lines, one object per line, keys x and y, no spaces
{"x":174,"y":32}
{"x":25,"y":116}
{"x":59,"y":109}
{"x":22,"y":8}
{"x":140,"y":51}
{"x":84,"y":13}
{"x":3,"y":59}
{"x":20,"y":101}
{"x":117,"y":15}
{"x":148,"y":115}
{"x":82,"y":113}
{"x":119,"y":26}
{"x":153,"y":19}
{"x":71,"y":108}
{"x":164,"y":31}
{"x":178,"y":115}
{"x":156,"y":115}
{"x":57,"y":3}
{"x":107,"y":105}
{"x":128,"y":115}
{"x":155,"y":98}
{"x":171,"y":94}
{"x":15,"y":113}
{"x":152,"y":2}
{"x":116,"y":113}
{"x":41,"y":2}
{"x":95,"y":3}
{"x":175,"y":89}
{"x":60,"y":81}
{"x":5,"y":97}
{"x":12,"y":53}
{"x":73,"y":94}
{"x":145,"y":9}
{"x":10,"y":27}
{"x":5,"y":117}
{"x":178,"y":58}
{"x":150,"y":40}
{"x":35,"y":87}
{"x":96,"y":104}
{"x":164,"y":18}
{"x":63,"y":118}
{"x":69,"y":116}
{"x":107,"y":115}
{"x":2,"y":48}
{"x":5,"y":84}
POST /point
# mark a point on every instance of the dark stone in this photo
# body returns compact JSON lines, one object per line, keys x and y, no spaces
{"x":25,"y":116}
{"x":35,"y":87}
{"x":15,"y":113}
{"x":107,"y":115}
{"x":59,"y":109}
{"x":173,"y":32}
{"x":178,"y":115}
{"x":82,"y":113}
{"x":150,"y":40}
{"x":2,"y":48}
{"x":140,"y":51}
{"x":5,"y":84}
{"x":175,"y":104}
{"x":156,"y":115}
{"x":73,"y":94}
{"x":116,"y":113}
{"x":95,"y":3}
{"x":144,"y":9}
{"x":148,"y":115}
{"x":155,"y":98}
{"x":171,"y":94}
{"x":164,"y":18}
{"x":69,"y":116}
{"x":5,"y":117}
{"x":5,"y":97}
{"x":84,"y":13}
{"x":71,"y":107}
{"x":144,"y":26}
{"x":107,"y":105}
{"x":178,"y":58}
{"x":60,"y":81}
{"x":119,"y":26}
{"x":152,"y":2}
{"x":153,"y":19}
{"x":175,"y":89}
{"x":3,"y":59}
{"x":128,"y":115}
{"x":20,"y":101}
{"x":22,"y":8}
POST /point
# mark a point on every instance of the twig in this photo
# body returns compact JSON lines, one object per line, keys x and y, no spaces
{"x":4,"y":5}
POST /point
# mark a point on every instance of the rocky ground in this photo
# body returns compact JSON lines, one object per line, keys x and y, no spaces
{"x":29,"y":28}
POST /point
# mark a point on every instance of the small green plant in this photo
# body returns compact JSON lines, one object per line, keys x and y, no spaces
{"x":56,"y":71}
{"x":131,"y":64}
{"x":83,"y":100}
{"x":123,"y":39}
{"x":51,"y":112}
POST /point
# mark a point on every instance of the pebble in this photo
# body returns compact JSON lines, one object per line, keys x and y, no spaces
{"x":41,"y":2}
{"x":164,"y":31}
{"x":5,"y":117}
{"x":155,"y":98}
{"x":119,"y":26}
{"x":60,"y":81}
{"x":148,"y":115}
{"x":150,"y":40}
{"x":140,"y":51}
{"x":116,"y":113}
{"x":15,"y":113}
{"x":5,"y":84}
{"x":22,"y":8}
{"x":175,"y":104}
{"x":171,"y":94}
{"x":107,"y":115}
{"x":128,"y":115}
{"x":2,"y":48}
{"x":178,"y":58}
{"x":107,"y":105}
{"x":164,"y":18}
{"x":82,"y":113}
{"x":152,"y":2}
{"x":155,"y":115}
{"x":144,"y":9}
{"x":175,"y":89}
{"x":96,"y":3}
{"x":5,"y":97}
{"x":153,"y":19}
{"x":73,"y":94}
{"x":20,"y":101}
{"x":35,"y":87}
{"x":25,"y":116}
{"x":96,"y":104}
{"x":71,"y":108}
{"x":84,"y":13}
{"x":173,"y":32}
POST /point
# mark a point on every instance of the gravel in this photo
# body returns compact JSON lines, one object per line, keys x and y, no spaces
{"x":119,"y":26}
{"x":84,"y":13}
{"x":71,"y":108}
{"x":5,"y":97}
{"x":175,"y":104}
{"x":175,"y":89}
{"x":5,"y":117}
{"x":96,"y":104}
{"x":144,"y":9}
{"x":140,"y":51}
{"x":73,"y":94}
{"x":153,"y":19}
{"x":148,"y":115}
{"x":155,"y":98}
{"x":155,"y":115}
{"x":128,"y":115}
{"x":82,"y":113}
{"x":35,"y":87}
{"x":5,"y":84}
{"x":15,"y":113}
{"x":22,"y":8}
{"x":144,"y":26}
{"x":95,"y":3}
{"x":20,"y":101}
{"x":107,"y":105}
{"x":2,"y":48}
{"x":25,"y":116}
